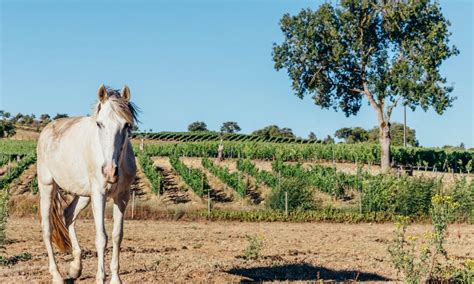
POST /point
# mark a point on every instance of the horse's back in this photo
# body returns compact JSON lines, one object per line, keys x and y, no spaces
{"x":61,"y":151}
{"x":55,"y":131}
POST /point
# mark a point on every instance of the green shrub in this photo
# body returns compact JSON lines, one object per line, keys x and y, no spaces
{"x":463,"y":193}
{"x":404,"y":195}
{"x":299,"y":196}
{"x":254,"y":247}
{"x":425,"y":265}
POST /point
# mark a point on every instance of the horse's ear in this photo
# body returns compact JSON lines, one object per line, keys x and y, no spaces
{"x":102,"y":94}
{"x":125,"y":93}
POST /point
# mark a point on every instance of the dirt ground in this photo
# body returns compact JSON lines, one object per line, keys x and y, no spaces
{"x":179,"y":251}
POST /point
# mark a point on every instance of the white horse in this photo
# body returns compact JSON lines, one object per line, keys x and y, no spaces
{"x":91,"y":158}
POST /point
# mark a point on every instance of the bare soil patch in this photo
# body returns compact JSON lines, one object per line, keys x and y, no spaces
{"x":179,"y":251}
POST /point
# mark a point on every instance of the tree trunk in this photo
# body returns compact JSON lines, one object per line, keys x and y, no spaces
{"x":385,"y":140}
{"x":384,"y":127}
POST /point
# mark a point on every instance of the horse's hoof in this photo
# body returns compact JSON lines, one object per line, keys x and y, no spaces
{"x":74,"y":272}
{"x":58,"y":280}
{"x":115,"y":280}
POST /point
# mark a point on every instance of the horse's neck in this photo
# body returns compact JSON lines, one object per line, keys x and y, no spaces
{"x":88,"y":141}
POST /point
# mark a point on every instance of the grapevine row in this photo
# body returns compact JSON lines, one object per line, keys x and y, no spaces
{"x":155,"y":178}
{"x":441,"y":160}
{"x":195,"y":178}
{"x":16,"y":171}
{"x":231,"y":179}
{"x":262,"y":176}
{"x":216,"y":136}
{"x":325,"y":178}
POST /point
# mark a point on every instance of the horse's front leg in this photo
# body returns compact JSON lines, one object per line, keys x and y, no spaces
{"x":98,"y":208}
{"x":120,"y":204}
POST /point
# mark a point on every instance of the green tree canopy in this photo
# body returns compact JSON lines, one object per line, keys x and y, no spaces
{"x":388,"y":52}
{"x":7,"y":128}
{"x":352,"y":135}
{"x":60,"y":115}
{"x":230,"y":127}
{"x":45,"y":118}
{"x":197,"y":126}
{"x":274,"y":131}
{"x":396,"y":134}
{"x":328,"y":140}
{"x":359,"y":134}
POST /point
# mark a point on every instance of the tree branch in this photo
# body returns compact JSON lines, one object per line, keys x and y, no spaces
{"x":370,"y":97}
{"x":314,"y":76}
{"x":391,"y":107}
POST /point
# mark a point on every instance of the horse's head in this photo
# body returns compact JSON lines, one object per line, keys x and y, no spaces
{"x":114,"y":117}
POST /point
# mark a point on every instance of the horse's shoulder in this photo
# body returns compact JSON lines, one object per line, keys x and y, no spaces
{"x":58,"y":127}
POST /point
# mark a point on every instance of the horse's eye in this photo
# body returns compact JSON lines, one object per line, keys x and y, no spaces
{"x":99,"y":124}
{"x":126,"y":126}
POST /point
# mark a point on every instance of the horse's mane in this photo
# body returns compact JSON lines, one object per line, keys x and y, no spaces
{"x":125,"y":109}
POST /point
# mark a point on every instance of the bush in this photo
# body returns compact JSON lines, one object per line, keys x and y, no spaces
{"x":254,"y":247}
{"x":404,"y":195}
{"x":463,"y":194}
{"x":299,"y":196}
{"x":424,"y":265}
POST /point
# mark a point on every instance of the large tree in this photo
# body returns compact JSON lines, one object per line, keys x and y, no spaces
{"x":359,"y":134}
{"x":386,"y":51}
{"x":197,"y":126}
{"x":7,"y":128}
{"x":352,"y":135}
{"x":230,"y":127}
{"x":45,"y":118}
{"x":312,"y":136}
{"x":274,"y":131}
{"x":60,"y":115}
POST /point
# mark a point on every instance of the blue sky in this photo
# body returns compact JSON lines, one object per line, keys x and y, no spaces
{"x":193,"y":60}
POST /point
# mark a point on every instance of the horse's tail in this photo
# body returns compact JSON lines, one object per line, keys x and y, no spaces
{"x":60,"y":234}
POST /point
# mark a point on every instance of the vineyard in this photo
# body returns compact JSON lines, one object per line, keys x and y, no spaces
{"x":15,"y":157}
{"x":419,"y":158}
{"x":265,"y":176}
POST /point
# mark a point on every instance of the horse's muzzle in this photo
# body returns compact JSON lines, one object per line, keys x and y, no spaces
{"x":110,"y":173}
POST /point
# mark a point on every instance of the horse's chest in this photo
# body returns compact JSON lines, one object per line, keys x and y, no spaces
{"x":76,"y":186}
